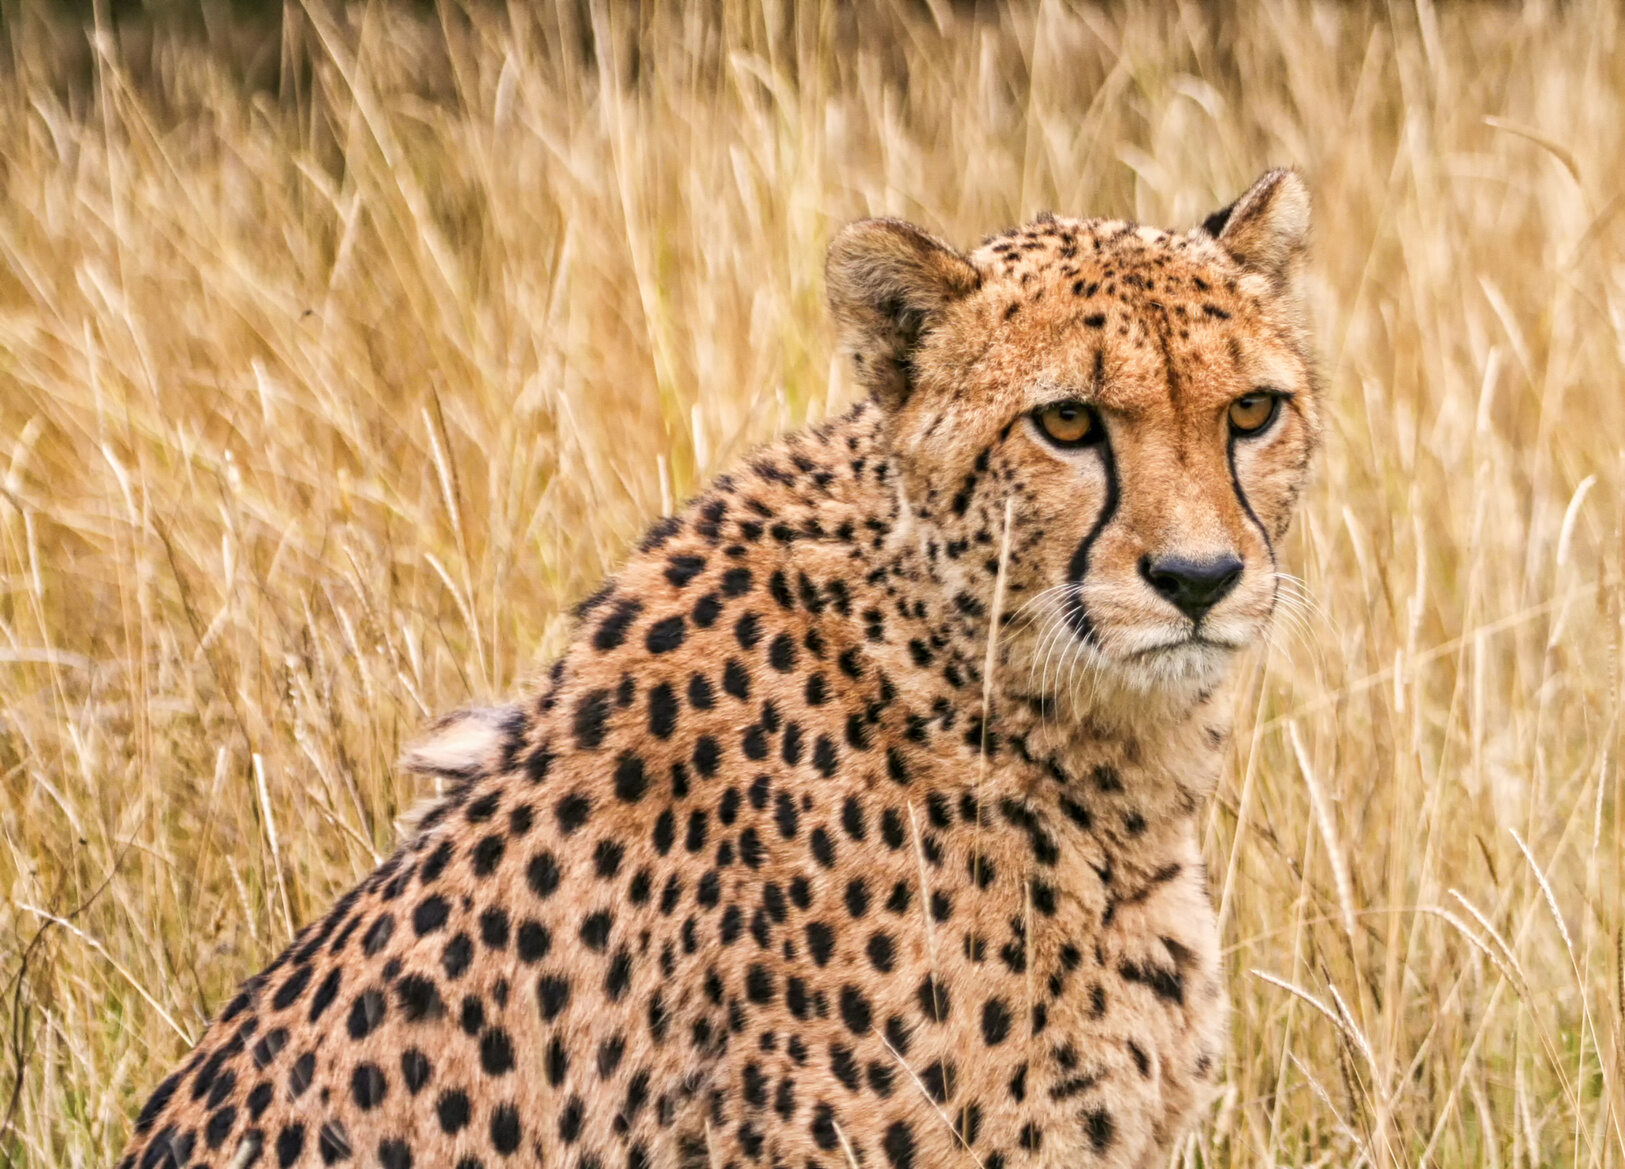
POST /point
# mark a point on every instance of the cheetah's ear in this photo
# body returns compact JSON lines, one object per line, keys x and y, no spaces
{"x":1265,"y":230}
{"x":889,"y":282}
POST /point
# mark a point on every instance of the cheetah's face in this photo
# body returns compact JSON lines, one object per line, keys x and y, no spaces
{"x":1142,"y":403}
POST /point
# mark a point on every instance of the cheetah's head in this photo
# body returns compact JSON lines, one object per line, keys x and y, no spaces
{"x":1142,"y":402}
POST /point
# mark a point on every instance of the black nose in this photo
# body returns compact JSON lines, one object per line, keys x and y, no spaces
{"x":1191,"y":586}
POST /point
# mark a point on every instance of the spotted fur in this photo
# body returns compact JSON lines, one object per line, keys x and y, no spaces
{"x":771,"y":870}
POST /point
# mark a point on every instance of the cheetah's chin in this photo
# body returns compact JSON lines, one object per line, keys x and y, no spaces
{"x":1185,"y":665}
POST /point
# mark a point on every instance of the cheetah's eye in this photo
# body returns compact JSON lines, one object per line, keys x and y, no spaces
{"x":1252,"y":413}
{"x":1069,"y":424}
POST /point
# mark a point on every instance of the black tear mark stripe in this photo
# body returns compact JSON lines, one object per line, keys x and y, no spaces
{"x":1241,"y":496}
{"x":1077,"y":615}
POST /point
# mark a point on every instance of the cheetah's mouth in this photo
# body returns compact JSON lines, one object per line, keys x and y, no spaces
{"x":1193,"y":639}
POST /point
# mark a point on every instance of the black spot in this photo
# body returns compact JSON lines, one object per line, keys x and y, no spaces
{"x":969,"y":1124}
{"x":882,"y":953}
{"x":736,"y":582}
{"x":591,"y":719}
{"x":618,"y":978}
{"x":419,"y":999}
{"x":430,"y":915}
{"x":269,"y":1047}
{"x":570,"y":1120}
{"x":494,"y":928}
{"x":487,"y":855}
{"x":664,"y":832}
{"x":539,"y":762}
{"x":378,"y":934}
{"x":898,"y":1145}
{"x":897,"y":1035}
{"x":219,"y":1126}
{"x":606,"y":858}
{"x":630,"y":782}
{"x":1166,"y":984}
{"x":706,"y":611}
{"x":940,"y":1079}
{"x":158,"y":1101}
{"x":1141,"y":1060}
{"x":393,"y":1154}
{"x":759,"y":984}
{"x":556,"y":1062}
{"x":496,"y":1052}
{"x":662,"y":710}
{"x":292,"y":987}
{"x":682,"y":569}
{"x":1100,"y":1127}
{"x":707,"y":755}
{"x":736,"y":680}
{"x":572,"y":812}
{"x":506,"y":1131}
{"x":823,"y":1127}
{"x":366,"y":1013}
{"x":542,"y":874}
{"x":299,"y":1078}
{"x":452,"y":1110}
{"x":478,"y":812}
{"x":844,"y":1067}
{"x":709,"y":891}
{"x":552,"y":995}
{"x":823,"y":847}
{"x":855,"y":1010}
{"x":666,"y":634}
{"x":609,"y":1056}
{"x":290,"y":1142}
{"x":368,"y":1086}
{"x":779,"y":586}
{"x":611,"y":631}
{"x":781,"y":653}
{"x":995,"y":1022}
{"x":801,"y":892}
{"x":595,"y":929}
{"x":534,"y":941}
{"x":748,"y":631}
{"x":820,"y":942}
{"x":172,"y":1150}
{"x":933,"y":999}
{"x":333,"y":1143}
{"x":659,"y":1019}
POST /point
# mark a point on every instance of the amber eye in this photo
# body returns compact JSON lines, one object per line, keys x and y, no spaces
{"x":1251,"y":413}
{"x":1069,"y":423}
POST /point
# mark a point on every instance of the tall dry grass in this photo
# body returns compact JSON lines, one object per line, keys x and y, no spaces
{"x":333,"y":367}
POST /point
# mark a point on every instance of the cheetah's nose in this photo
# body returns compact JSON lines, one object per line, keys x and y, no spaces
{"x":1192,"y":586}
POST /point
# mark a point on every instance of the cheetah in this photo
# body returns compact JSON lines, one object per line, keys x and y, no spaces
{"x":857,"y":825}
